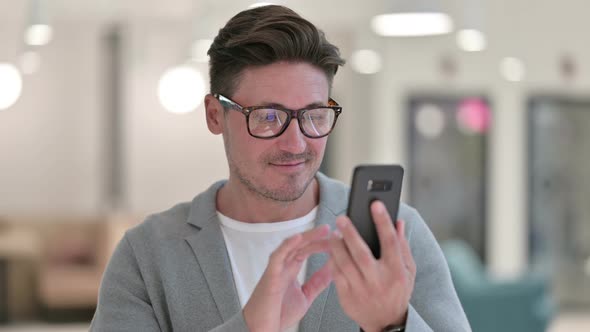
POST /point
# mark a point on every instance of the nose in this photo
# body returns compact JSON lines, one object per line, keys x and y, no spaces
{"x":292,"y":140}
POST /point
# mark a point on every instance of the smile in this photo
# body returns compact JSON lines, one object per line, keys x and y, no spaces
{"x":290,"y":164}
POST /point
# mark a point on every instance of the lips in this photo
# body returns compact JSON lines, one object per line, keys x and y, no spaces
{"x":292,"y":163}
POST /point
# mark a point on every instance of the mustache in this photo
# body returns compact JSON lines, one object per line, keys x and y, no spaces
{"x":286,"y":157}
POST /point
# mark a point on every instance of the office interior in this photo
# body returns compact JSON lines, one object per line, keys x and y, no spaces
{"x":102,"y":123}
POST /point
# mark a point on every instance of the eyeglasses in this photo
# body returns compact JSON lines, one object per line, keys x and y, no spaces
{"x":271,"y":121}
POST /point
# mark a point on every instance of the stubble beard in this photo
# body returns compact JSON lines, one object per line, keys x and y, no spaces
{"x":290,"y":193}
{"x":291,"y":189}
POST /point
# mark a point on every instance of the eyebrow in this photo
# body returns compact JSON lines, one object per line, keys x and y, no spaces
{"x":279,"y":105}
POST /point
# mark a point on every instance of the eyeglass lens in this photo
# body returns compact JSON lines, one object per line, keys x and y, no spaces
{"x":266,"y":122}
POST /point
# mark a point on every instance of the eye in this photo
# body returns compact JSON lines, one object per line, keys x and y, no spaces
{"x":267,"y":115}
{"x":318,"y":115}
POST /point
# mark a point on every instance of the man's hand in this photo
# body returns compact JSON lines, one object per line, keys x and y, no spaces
{"x":279,"y":300}
{"x":373,"y":293}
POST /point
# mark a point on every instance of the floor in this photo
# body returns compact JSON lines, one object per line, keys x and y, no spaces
{"x":563,"y":323}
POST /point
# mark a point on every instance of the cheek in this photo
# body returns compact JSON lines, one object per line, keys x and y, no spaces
{"x":318,"y":147}
{"x":246,"y":149}
{"x":237,"y":132}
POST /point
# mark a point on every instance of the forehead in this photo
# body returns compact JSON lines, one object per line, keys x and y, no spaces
{"x":293,"y":84}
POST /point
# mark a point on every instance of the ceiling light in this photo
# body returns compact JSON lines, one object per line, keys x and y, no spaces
{"x":260,"y":4}
{"x":430,"y":121}
{"x":512,"y":69}
{"x":412,"y":24}
{"x":11,"y":85}
{"x":471,"y":40}
{"x":29,"y":62}
{"x":38,"y":34}
{"x":181,"y":89}
{"x":366,"y":61}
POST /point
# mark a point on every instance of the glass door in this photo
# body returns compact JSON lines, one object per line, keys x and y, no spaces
{"x":447,"y":164}
{"x":559,"y":194}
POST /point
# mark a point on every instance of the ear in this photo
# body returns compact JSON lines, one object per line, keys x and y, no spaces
{"x":214,"y":114}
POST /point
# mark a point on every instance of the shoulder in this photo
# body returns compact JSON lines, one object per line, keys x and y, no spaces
{"x":180,"y":220}
{"x":160,"y":230}
{"x":415,"y":225}
{"x":334,"y":186}
{"x":164,"y":222}
{"x":409,"y":214}
{"x":333,"y":194}
{"x":423,"y":244}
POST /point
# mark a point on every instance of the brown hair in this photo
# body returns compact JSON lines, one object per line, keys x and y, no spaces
{"x":265,"y":35}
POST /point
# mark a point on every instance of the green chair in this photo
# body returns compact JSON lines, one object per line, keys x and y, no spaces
{"x":521,"y":305}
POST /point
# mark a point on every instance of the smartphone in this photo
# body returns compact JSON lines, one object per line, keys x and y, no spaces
{"x":370,"y":183}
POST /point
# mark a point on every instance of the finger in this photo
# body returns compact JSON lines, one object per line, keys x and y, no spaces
{"x":358,"y":248}
{"x":314,"y":247}
{"x":315,"y":234}
{"x":344,"y":262}
{"x":294,"y":264}
{"x":340,"y":281}
{"x":279,"y":255}
{"x":317,"y":282}
{"x":292,"y":260}
{"x":390,"y":250}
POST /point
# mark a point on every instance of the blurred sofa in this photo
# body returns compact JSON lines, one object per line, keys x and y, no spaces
{"x":55,"y":264}
{"x":521,"y":305}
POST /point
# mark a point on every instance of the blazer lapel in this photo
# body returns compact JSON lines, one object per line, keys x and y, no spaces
{"x":312,"y":320}
{"x":208,"y":246}
{"x":333,"y":201}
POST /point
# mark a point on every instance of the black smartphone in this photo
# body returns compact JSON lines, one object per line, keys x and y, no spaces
{"x":370,"y":183}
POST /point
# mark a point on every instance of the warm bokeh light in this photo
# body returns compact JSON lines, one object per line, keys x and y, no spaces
{"x":412,"y":24}
{"x":366,"y":61}
{"x":512,"y":69}
{"x":181,"y":89}
{"x":30,"y":62}
{"x":471,"y":40}
{"x":260,"y":4}
{"x":38,"y":34}
{"x":430,"y":121}
{"x":10,"y":85}
{"x":473,"y":116}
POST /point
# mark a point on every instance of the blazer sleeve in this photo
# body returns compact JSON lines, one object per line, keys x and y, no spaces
{"x":124,"y":303}
{"x":434,"y":305}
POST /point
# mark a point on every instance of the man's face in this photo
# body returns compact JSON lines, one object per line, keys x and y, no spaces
{"x":280,"y":168}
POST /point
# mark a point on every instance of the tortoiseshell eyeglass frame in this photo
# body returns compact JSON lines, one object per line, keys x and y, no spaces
{"x":298,"y":114}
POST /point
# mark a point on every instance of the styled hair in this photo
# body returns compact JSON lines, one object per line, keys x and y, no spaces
{"x":265,"y":35}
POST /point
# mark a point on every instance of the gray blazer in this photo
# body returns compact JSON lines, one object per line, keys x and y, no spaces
{"x":172,"y":273}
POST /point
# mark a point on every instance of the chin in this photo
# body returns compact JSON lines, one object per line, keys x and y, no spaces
{"x":283,"y":196}
{"x":288,"y":190}
{"x":277,"y":186}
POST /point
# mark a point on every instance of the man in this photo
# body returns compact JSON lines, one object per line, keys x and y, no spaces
{"x":236,"y":257}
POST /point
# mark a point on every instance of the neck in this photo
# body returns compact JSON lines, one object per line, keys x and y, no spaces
{"x":239,"y":203}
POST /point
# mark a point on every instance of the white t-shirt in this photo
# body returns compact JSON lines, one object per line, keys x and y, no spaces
{"x":249,"y":246}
